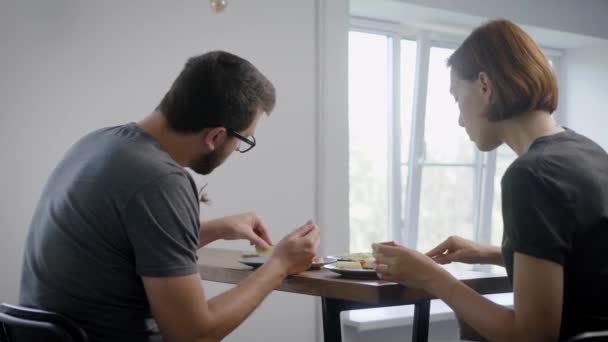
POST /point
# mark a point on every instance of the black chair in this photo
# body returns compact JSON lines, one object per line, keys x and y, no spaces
{"x":596,"y":336}
{"x":20,"y":324}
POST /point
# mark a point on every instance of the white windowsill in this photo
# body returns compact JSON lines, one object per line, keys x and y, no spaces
{"x":396,"y":316}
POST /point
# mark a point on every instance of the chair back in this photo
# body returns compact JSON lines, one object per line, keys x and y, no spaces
{"x":595,"y":336}
{"x":21,"y":324}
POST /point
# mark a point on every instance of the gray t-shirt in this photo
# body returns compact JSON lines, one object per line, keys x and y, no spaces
{"x":116,"y":208}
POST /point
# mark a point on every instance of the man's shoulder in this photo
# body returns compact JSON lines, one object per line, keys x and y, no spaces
{"x":129,"y":147}
{"x":121,"y":158}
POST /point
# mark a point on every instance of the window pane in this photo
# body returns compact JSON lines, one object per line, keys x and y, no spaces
{"x":408,"y":72}
{"x":404,"y":179}
{"x":446,"y":205}
{"x":407,"y":79}
{"x":446,"y":141}
{"x":368,"y":138}
{"x":447,"y":192}
{"x":504,"y":157}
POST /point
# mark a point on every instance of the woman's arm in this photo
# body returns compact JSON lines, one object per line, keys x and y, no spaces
{"x":457,"y":249}
{"x":537,"y":288}
{"x":537,"y":307}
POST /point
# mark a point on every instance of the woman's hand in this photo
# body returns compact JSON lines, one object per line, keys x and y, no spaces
{"x":408,"y":267}
{"x":246,"y":226}
{"x":457,"y":249}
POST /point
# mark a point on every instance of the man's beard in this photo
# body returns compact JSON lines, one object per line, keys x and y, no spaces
{"x":206,"y":163}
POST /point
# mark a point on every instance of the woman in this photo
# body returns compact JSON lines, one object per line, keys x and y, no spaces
{"x":555,"y":200}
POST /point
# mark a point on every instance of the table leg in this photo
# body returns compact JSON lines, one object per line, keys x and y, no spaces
{"x":333,"y":307}
{"x":331,"y":316}
{"x":421,"y":321}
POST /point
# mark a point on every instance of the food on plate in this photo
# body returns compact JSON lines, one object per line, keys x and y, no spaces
{"x":357,"y":261}
{"x":262,"y":251}
{"x":358,"y":256}
{"x":351,"y":265}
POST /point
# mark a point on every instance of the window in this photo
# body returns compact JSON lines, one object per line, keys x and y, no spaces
{"x":415,"y":177}
{"x":448,"y":189}
{"x":368,"y":144}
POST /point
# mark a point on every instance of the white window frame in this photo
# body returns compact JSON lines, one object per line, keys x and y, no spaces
{"x":484,"y":165}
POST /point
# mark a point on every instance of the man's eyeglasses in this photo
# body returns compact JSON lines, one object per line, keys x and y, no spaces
{"x":249,"y":141}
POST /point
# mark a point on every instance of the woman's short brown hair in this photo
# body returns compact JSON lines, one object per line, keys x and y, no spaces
{"x":520,"y":72}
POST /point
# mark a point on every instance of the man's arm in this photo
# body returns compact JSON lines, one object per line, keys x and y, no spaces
{"x":210,"y":231}
{"x":247,"y":226}
{"x":183,"y":314}
{"x":179,"y":306}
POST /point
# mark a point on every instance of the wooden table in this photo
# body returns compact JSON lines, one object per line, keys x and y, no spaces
{"x":341,"y":294}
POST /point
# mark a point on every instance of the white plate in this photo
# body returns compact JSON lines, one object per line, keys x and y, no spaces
{"x":352,"y":273}
{"x":260,"y":260}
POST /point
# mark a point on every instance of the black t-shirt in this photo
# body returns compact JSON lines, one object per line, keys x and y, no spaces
{"x":116,"y":208}
{"x":555,"y":207}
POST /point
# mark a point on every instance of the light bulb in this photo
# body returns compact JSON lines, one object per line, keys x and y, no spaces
{"x":218,"y":5}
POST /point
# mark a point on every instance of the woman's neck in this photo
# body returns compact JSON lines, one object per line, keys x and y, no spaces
{"x":521,"y":130}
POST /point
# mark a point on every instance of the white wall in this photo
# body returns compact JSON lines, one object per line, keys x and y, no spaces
{"x":581,"y":17}
{"x":584,"y":93}
{"x":71,"y":66}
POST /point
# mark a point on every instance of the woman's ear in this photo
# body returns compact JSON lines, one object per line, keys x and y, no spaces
{"x":486,"y":87}
{"x":212,"y":138}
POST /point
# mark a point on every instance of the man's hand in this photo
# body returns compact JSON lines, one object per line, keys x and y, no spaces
{"x":246,"y":226}
{"x":296,"y":250}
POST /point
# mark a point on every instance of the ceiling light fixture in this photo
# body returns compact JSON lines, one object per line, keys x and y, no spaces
{"x":218,"y":5}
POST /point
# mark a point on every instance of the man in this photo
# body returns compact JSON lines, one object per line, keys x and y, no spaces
{"x":114,"y":237}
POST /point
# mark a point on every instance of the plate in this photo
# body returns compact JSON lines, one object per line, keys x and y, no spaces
{"x":352,"y":273}
{"x":260,"y":260}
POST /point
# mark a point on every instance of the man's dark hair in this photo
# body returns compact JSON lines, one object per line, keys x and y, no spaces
{"x":216,"y":89}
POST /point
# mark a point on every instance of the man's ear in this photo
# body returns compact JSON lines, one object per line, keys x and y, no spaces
{"x":486,"y":87}
{"x":212,"y":138}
